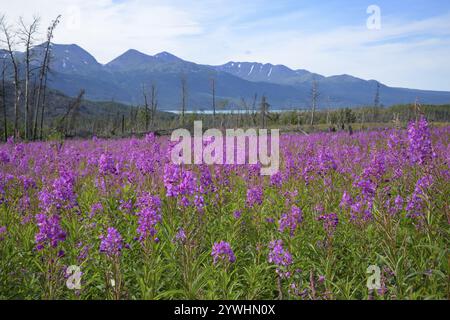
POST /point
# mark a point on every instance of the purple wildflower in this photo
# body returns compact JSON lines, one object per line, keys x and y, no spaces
{"x":181,"y":235}
{"x":415,"y":205}
{"x":112,"y":243}
{"x":276,"y":179}
{"x":178,"y":181}
{"x":50,"y":231}
{"x":254,"y":196}
{"x":419,"y":137}
{"x":291,"y":220}
{"x":278,"y":255}
{"x":330,"y":222}
{"x":2,"y":233}
{"x":106,"y":164}
{"x":222,"y":251}
{"x":237,"y":214}
{"x":95,"y":209}
{"x":149,"y":216}
{"x":59,"y":194}
{"x":346,"y":201}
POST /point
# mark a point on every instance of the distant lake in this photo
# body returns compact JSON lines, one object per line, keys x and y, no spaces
{"x":226,"y":111}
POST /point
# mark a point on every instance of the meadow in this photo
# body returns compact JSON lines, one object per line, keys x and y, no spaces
{"x":136,"y":226}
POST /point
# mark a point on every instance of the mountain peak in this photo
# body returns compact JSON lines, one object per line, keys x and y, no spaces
{"x":68,"y":58}
{"x":130,"y":59}
{"x":133,"y":52}
{"x":167,"y":57}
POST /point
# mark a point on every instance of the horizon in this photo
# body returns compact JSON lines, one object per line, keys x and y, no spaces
{"x":226,"y":62}
{"x":327,"y":38}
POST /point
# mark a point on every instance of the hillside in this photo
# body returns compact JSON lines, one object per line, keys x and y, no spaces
{"x":122,"y":80}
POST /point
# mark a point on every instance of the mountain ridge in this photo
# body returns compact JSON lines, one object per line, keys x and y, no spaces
{"x":123,"y":77}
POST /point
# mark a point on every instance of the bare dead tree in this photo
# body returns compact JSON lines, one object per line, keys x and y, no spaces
{"x":74,"y":115}
{"x":64,"y":124}
{"x":133,"y":117}
{"x":314,"y":97}
{"x":245,"y":106}
{"x":264,"y":109}
{"x":43,"y":75}
{"x":254,"y":108}
{"x":362,"y":119}
{"x":131,"y":120}
{"x":145,"y":107}
{"x":10,"y":42}
{"x":44,"y":96}
{"x":328,"y":111}
{"x":123,"y":125}
{"x":94,"y":125}
{"x":3,"y":93}
{"x":27,"y":38}
{"x":376,"y":100}
{"x":213,"y":88}
{"x":183,"y":97}
{"x":153,"y":105}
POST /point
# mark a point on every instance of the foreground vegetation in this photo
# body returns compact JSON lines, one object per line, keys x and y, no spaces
{"x":139,"y":227}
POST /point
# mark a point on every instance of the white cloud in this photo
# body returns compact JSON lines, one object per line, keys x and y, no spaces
{"x":108,"y":28}
{"x":403,"y":53}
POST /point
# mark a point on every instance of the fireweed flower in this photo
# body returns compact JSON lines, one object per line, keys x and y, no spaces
{"x":346,"y":201}
{"x":376,"y":167}
{"x":199,"y":203}
{"x":206,"y":181}
{"x":50,"y":232}
{"x":59,"y":194}
{"x":276,"y":179}
{"x":148,"y":219}
{"x":222,"y":251}
{"x":291,"y":220}
{"x":254,"y":196}
{"x":172,"y":174}
{"x":112,"y":243}
{"x":361,"y":210}
{"x":325,"y":161}
{"x":149,"y":216}
{"x":2,"y":233}
{"x":95,"y":209}
{"x":419,"y":138}
{"x":180,"y":236}
{"x":126,"y":206}
{"x":415,"y":205}
{"x":278,"y":255}
{"x":319,"y":208}
{"x":394,"y":206}
{"x":28,"y":183}
{"x":82,"y":256}
{"x":106,"y":164}
{"x":146,"y":200}
{"x":367,"y":186}
{"x":188,"y":185}
{"x":178,"y":181}
{"x":329,"y":222}
{"x":4,"y":157}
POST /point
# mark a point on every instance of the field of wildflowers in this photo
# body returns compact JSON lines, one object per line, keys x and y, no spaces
{"x":138,"y":227}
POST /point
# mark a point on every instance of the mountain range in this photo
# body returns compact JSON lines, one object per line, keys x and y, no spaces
{"x":122,"y":80}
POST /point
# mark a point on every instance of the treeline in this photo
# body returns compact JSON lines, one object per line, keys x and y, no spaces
{"x":364,"y":115}
{"x":77,"y":117}
{"x":28,"y":74}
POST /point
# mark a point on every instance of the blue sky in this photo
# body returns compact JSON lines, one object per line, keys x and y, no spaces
{"x":410,"y":49}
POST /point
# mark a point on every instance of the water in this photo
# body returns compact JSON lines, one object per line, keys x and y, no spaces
{"x":226,"y":111}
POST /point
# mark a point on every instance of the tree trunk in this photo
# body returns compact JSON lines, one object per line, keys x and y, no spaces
{"x":5,"y":124}
{"x":43,"y":109}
